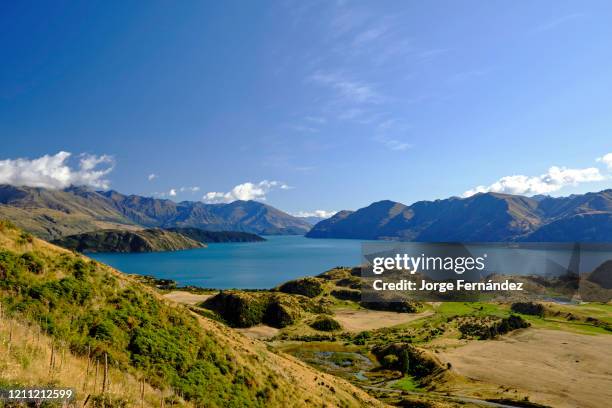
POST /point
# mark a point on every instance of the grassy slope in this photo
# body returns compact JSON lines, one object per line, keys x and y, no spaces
{"x":25,"y":359}
{"x":50,"y":224}
{"x":148,"y":240}
{"x":87,"y":306}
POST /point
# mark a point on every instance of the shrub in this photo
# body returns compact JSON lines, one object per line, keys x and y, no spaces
{"x":6,"y":225}
{"x":361,"y":338}
{"x":238,"y":308}
{"x":528,"y":308}
{"x":33,"y":263}
{"x":352,"y":282}
{"x":325,"y":323}
{"x":402,"y":306}
{"x":242,"y":309}
{"x":25,"y":238}
{"x":310,"y":287}
{"x":390,"y":360}
{"x":408,"y":359}
{"x":279,"y":315}
{"x":483,"y":331}
{"x":347,"y":294}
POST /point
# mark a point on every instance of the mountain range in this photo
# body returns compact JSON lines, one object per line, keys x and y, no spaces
{"x":484,"y":217}
{"x":51,"y":214}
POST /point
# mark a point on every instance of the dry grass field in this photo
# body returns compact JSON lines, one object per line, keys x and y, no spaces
{"x":554,"y":367}
{"x":356,"y":320}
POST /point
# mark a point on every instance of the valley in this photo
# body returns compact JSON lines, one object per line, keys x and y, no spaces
{"x":433,"y":354}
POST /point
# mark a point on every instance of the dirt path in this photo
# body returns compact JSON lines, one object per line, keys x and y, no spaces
{"x":553,"y":367}
{"x":360,"y":320}
{"x":260,"y":332}
{"x":187,"y":298}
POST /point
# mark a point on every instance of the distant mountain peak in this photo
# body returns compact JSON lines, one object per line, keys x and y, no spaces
{"x":54,"y":213}
{"x":483,"y":217}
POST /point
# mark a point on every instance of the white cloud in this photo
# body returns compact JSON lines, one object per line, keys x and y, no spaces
{"x":173,"y":192}
{"x":53,"y":171}
{"x":152,"y":176}
{"x":355,"y":91}
{"x":245,"y":191}
{"x":607,"y":160}
{"x":193,"y":189}
{"x":369,"y":35}
{"x":555,"y":179}
{"x":396,"y":145}
{"x":316,"y":213}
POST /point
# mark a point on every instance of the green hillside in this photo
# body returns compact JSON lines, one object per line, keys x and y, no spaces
{"x":149,"y":240}
{"x":93,"y":310}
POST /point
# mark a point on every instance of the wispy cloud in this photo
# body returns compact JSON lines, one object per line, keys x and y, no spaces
{"x":348,"y":19}
{"x":368,"y":36}
{"x":553,"y":180}
{"x":385,"y":131}
{"x":316,"y":119}
{"x":152,"y":176}
{"x":431,"y":53}
{"x":393,"y":144}
{"x":54,"y":172}
{"x":552,"y":24}
{"x":245,"y":191}
{"x":467,"y":75}
{"x":193,"y":189}
{"x":349,"y":89}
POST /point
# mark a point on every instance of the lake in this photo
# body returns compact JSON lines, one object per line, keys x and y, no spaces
{"x":254,"y":265}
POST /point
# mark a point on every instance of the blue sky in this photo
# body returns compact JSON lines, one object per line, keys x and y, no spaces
{"x":310,"y":105}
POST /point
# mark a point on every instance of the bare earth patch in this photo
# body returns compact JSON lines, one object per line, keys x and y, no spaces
{"x":553,"y":367}
{"x":187,"y":298}
{"x":260,"y":332}
{"x":360,"y":320}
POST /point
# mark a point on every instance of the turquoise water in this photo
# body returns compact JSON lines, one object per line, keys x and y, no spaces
{"x":254,"y":265}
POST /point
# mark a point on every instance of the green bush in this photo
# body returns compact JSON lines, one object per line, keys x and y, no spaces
{"x":408,"y":359}
{"x":528,"y":308}
{"x":310,"y":287}
{"x":361,"y":338}
{"x":352,"y":282}
{"x":278,"y":315}
{"x":401,"y":306}
{"x":483,"y":331}
{"x":241,"y":309}
{"x":33,"y":263}
{"x":347,"y":294}
{"x":325,"y":323}
{"x":25,"y":238}
{"x":390,"y":360}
